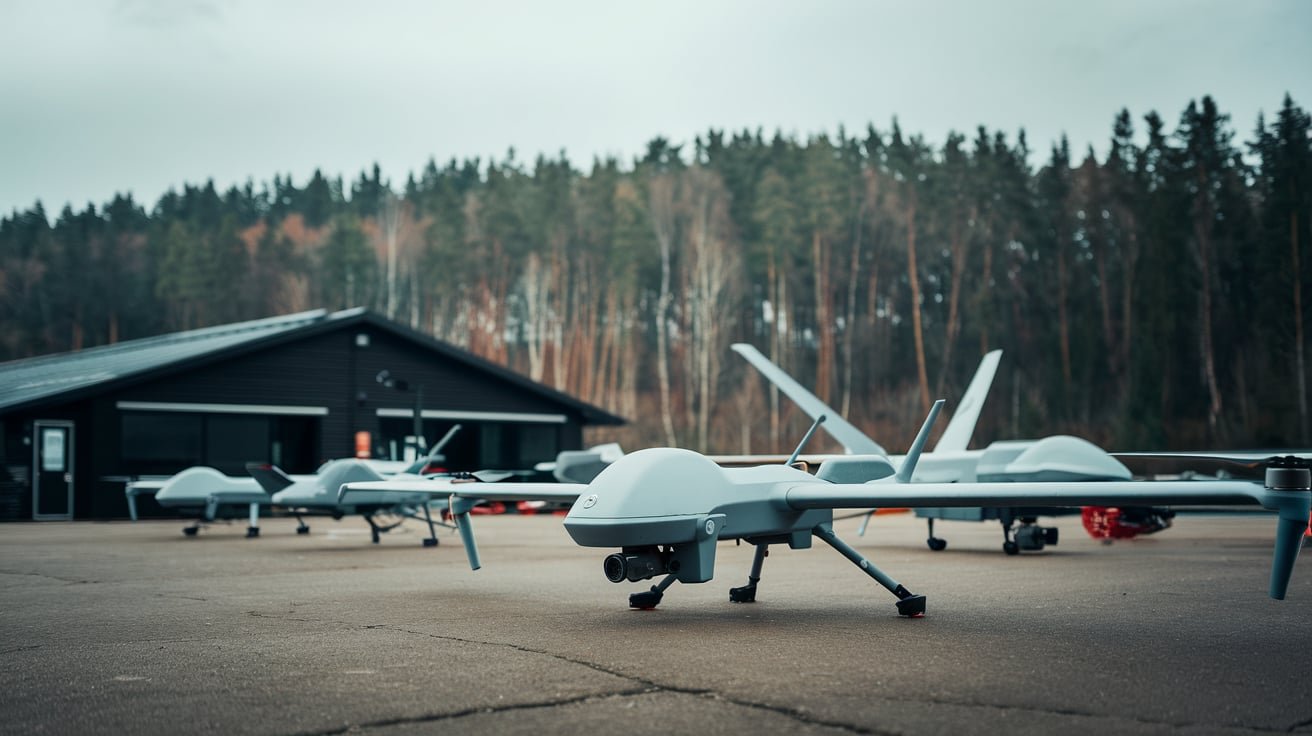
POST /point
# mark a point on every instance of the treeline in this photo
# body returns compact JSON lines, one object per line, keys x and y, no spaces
{"x":1151,"y":298}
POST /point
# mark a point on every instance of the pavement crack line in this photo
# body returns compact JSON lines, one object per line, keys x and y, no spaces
{"x":646,"y":685}
{"x":465,"y":713}
{"x":276,"y":617}
{"x":1299,"y":726}
{"x":15,"y":650}
{"x":180,"y":596}
{"x":1071,"y":712}
{"x":70,"y":581}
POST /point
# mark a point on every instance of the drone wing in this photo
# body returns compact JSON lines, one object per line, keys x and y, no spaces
{"x":1291,"y":505}
{"x":474,"y":490}
{"x":464,"y":493}
{"x":854,"y":441}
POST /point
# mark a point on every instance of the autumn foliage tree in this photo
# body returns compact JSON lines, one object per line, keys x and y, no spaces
{"x":1149,"y":292}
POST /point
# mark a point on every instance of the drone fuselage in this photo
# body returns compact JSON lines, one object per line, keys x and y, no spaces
{"x":668,"y":507}
{"x":320,"y":492}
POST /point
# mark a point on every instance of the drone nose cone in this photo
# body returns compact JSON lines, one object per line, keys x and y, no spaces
{"x":653,"y":496}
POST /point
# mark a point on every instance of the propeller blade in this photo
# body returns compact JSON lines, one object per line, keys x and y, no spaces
{"x":492,"y":476}
{"x":1240,"y":459}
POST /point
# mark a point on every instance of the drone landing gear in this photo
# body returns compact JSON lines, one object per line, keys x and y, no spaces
{"x":303,"y":528}
{"x":936,"y":544}
{"x":648,"y":600}
{"x":747,"y":593}
{"x":192,"y":530}
{"x":253,"y":530}
{"x":374,"y":530}
{"x":908,"y":603}
{"x":431,"y":541}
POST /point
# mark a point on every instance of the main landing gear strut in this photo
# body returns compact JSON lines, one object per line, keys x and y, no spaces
{"x":747,"y":593}
{"x":431,"y":541}
{"x":648,"y":600}
{"x":375,"y":529}
{"x":908,"y":603}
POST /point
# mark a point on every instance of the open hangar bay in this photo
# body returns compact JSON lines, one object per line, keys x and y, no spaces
{"x":112,"y":628}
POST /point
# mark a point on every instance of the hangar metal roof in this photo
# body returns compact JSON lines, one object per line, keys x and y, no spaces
{"x":68,"y":376}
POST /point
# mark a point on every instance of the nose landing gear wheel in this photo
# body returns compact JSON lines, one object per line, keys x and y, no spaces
{"x":1011,"y":548}
{"x":936,"y":544}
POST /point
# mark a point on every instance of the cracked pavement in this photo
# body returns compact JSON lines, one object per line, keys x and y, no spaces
{"x":117,"y":627}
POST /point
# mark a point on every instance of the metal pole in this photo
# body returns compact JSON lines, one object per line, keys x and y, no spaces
{"x":419,"y":421}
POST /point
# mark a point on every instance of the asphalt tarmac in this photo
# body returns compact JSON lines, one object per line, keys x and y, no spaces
{"x":132,"y":628}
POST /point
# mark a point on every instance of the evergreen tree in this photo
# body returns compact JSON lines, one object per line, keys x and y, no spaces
{"x":347,"y":269}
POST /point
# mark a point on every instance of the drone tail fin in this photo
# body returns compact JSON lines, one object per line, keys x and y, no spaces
{"x":908,"y":468}
{"x":270,"y":477}
{"x":966,"y":415}
{"x":436,"y":451}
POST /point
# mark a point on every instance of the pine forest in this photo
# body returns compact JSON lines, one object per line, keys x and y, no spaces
{"x":1149,"y":294}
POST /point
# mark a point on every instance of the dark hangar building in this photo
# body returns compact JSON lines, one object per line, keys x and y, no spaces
{"x":293,"y":390}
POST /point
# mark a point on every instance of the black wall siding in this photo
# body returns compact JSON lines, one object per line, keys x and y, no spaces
{"x":325,"y":368}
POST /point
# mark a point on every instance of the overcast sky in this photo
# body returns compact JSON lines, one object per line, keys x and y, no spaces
{"x":105,"y":96}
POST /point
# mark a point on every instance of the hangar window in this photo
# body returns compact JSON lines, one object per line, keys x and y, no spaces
{"x":477,"y":446}
{"x":161,"y":443}
{"x":233,"y":440}
{"x":537,"y":443}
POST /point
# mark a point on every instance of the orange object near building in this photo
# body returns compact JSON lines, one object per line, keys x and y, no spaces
{"x":362,"y":445}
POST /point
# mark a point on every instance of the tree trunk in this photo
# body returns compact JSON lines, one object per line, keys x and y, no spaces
{"x":1063,"y":322}
{"x":915,"y":305}
{"x":390,"y":219}
{"x":663,"y":236}
{"x":849,"y":324}
{"x":1203,"y":235}
{"x":1105,"y":311}
{"x":823,"y":322}
{"x":983,"y":304}
{"x":776,"y":306}
{"x":953,"y":328}
{"x":1129,"y":269}
{"x":1298,"y":330}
